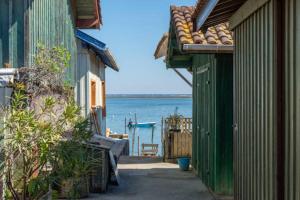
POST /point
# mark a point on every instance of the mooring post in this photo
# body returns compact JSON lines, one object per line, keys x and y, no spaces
{"x":152,"y":134}
{"x":162,"y":136}
{"x":125,"y":125}
{"x":138,"y":145}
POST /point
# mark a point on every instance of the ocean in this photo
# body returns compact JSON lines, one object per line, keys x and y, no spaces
{"x":147,"y":109}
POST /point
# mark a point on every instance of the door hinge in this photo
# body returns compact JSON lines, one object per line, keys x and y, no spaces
{"x":207,"y":82}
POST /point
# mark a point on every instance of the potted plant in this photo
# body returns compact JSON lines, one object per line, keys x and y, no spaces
{"x":175,"y":121}
{"x":72,"y":164}
{"x":70,"y":169}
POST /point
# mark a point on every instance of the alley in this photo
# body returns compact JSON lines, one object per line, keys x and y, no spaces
{"x":151,"y":179}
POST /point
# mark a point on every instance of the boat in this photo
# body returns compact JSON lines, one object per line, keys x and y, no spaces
{"x":141,"y":125}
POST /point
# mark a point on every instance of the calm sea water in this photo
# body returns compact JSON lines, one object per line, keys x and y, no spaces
{"x":146,"y":110}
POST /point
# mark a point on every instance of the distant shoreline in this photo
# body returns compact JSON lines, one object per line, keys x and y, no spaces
{"x":154,"y":96}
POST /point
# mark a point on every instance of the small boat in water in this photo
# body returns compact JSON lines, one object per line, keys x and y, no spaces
{"x":141,"y":125}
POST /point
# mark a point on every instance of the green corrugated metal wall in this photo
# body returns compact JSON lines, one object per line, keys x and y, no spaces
{"x":4,"y":20}
{"x":11,"y":33}
{"x":213,"y":115}
{"x":255,"y":106}
{"x":292,"y":121}
{"x":51,"y":22}
{"x":25,"y":23}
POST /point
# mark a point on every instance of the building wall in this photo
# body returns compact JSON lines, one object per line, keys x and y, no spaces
{"x":212,"y":121}
{"x":12,"y":32}
{"x":26,"y":23}
{"x":255,"y":106}
{"x":90,"y":68}
{"x":52,"y":23}
{"x":292,"y":101}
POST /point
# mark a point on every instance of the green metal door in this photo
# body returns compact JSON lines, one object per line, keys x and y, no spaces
{"x":212,"y":130}
{"x":203,"y":122}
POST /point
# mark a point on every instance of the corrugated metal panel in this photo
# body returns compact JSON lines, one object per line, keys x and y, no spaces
{"x":255,"y":109}
{"x":25,"y":23}
{"x":16,"y":33}
{"x":212,"y":129}
{"x":11,"y":33}
{"x":4,"y":45}
{"x":292,"y":63}
{"x":51,"y":22}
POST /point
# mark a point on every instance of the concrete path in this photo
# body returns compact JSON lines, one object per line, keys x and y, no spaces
{"x":151,"y":179}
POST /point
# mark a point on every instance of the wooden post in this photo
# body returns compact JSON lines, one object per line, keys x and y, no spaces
{"x":133,"y":136}
{"x":138,"y":145}
{"x":125,"y":125}
{"x":152,"y":137}
{"x":162,"y":136}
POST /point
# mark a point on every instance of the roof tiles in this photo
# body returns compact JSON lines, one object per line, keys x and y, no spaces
{"x":182,"y":20}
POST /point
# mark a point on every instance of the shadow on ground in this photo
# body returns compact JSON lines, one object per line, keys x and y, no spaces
{"x":151,"y":179}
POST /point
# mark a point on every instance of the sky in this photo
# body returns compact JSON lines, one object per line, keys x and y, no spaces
{"x":131,"y":30}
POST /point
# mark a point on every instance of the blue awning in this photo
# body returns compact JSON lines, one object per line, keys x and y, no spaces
{"x":99,"y":48}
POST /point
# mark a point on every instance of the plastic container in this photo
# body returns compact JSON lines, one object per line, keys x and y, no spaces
{"x":184,"y":163}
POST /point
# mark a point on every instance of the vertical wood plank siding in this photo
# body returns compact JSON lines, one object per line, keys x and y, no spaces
{"x":212,"y":122}
{"x":51,"y":22}
{"x":4,"y":54}
{"x":25,"y":23}
{"x":255,"y":106}
{"x":11,"y":32}
{"x":292,"y":84}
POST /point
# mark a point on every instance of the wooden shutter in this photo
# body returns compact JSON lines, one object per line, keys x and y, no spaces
{"x":103,"y":99}
{"x":93,"y":93}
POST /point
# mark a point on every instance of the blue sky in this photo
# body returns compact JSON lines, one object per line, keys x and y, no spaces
{"x":132,"y":29}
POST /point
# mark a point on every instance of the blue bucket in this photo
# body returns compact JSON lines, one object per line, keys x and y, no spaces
{"x":184,"y":163}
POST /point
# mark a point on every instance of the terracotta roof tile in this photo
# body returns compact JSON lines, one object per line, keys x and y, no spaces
{"x":183,"y":23}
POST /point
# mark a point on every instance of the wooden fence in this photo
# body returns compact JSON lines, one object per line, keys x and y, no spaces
{"x":177,"y":138}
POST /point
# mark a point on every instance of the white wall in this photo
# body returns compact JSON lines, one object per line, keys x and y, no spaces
{"x":89,"y":68}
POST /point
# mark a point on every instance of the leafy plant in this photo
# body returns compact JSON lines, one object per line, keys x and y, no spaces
{"x":175,"y":120}
{"x":31,"y":138}
{"x":73,"y":162}
{"x":33,"y":130}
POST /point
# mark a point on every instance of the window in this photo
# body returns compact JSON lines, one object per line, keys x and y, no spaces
{"x":103,"y":99}
{"x":93,"y":94}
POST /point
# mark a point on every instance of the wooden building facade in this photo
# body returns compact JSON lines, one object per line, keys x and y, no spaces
{"x":266,"y":94}
{"x":209,"y":58}
{"x":24,"y":24}
{"x":90,"y":88}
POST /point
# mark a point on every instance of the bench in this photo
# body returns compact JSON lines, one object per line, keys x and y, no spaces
{"x":149,"y":149}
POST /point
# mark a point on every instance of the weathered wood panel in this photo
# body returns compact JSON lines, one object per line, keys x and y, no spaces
{"x":26,"y":23}
{"x":177,"y":138}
